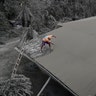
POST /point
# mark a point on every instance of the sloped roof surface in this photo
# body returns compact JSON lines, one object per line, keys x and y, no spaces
{"x":73,"y":59}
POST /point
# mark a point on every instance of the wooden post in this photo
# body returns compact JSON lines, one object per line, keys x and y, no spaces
{"x":44,"y":86}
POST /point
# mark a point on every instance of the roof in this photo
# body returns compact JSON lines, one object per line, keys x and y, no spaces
{"x":73,"y":59}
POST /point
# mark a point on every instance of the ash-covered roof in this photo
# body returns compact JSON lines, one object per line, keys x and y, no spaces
{"x":73,"y":59}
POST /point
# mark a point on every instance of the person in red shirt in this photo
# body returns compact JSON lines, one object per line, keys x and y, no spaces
{"x":47,"y":40}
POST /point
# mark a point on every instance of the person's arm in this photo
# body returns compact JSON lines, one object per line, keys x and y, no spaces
{"x":54,"y":36}
{"x":52,"y":43}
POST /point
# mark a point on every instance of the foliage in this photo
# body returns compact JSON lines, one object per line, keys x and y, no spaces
{"x":60,"y":10}
{"x":73,"y":8}
{"x":57,"y":8}
{"x":17,"y":86}
{"x":4,"y":24}
{"x":12,"y":8}
{"x":25,"y":16}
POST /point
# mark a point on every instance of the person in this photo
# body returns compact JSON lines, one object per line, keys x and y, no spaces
{"x":47,"y":40}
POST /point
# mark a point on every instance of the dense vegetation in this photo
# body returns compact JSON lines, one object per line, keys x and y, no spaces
{"x":45,"y":13}
{"x":17,"y":86}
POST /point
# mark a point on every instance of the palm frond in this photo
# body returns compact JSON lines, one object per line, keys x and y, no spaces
{"x":17,"y":86}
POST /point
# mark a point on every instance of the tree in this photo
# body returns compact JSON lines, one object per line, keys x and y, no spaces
{"x":25,"y":16}
{"x":4,"y":24}
{"x":17,"y":86}
{"x":11,"y":8}
{"x":49,"y":20}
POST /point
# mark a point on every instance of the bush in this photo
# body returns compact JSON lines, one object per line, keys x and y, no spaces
{"x":19,"y":85}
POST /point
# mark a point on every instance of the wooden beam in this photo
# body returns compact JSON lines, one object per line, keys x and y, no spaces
{"x":44,"y":86}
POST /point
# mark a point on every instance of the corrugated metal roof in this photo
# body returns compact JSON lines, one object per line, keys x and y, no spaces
{"x":73,"y":59}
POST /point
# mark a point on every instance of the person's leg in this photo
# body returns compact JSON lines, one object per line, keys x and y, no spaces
{"x":42,"y":45}
{"x":49,"y":44}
